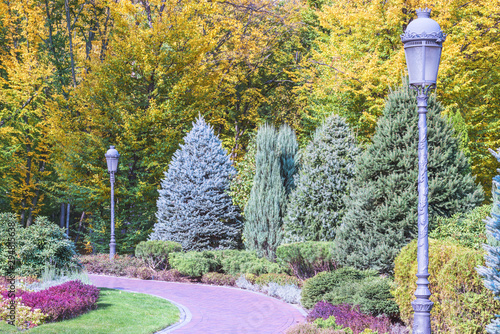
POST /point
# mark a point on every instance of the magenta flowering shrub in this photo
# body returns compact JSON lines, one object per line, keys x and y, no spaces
{"x":350,"y":316}
{"x":63,"y":301}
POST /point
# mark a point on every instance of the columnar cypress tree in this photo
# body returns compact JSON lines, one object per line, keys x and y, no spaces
{"x":194,"y":208}
{"x":381,"y":212}
{"x":316,"y":205}
{"x":491,"y":273}
{"x":274,"y":168}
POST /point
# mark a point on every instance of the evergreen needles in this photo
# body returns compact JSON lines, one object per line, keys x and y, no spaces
{"x":194,"y":208}
{"x":381,"y":212}
{"x":491,"y":273}
{"x":316,"y":204}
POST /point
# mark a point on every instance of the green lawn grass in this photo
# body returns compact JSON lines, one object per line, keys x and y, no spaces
{"x":117,"y":312}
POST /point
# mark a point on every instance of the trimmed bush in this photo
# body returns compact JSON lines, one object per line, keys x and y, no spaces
{"x":247,"y":262}
{"x":461,"y":302}
{"x":466,"y":229}
{"x":280,"y":279}
{"x":26,"y":317}
{"x":36,"y":246}
{"x":155,"y":252}
{"x":101,"y":265}
{"x":315,"y":288}
{"x":195,"y":264}
{"x":218,"y":279}
{"x":372,"y":294}
{"x":140,"y":272}
{"x":63,"y":301}
{"x":350,"y":317}
{"x":306,"y":259}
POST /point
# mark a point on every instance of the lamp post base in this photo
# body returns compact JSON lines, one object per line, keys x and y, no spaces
{"x":422,"y":316}
{"x":112,"y":250}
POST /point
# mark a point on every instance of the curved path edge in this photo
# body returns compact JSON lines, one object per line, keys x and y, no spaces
{"x":208,"y":309}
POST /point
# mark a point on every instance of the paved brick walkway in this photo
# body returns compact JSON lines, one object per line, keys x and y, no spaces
{"x":214,"y":309}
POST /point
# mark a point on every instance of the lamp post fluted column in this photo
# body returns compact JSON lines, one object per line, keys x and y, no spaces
{"x":112,"y":243}
{"x":423,"y":41}
{"x":422,"y":306}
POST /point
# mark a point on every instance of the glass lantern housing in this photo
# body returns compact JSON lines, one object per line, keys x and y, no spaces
{"x":112,"y":159}
{"x":423,"y":41}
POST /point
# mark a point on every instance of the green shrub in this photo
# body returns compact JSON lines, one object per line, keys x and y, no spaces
{"x":466,"y":229}
{"x":36,"y":246}
{"x":461,"y":302}
{"x":155,"y":253}
{"x":306,"y":259}
{"x":315,"y":288}
{"x":281,"y":279}
{"x":195,"y":264}
{"x":372,"y":294}
{"x":236,"y":262}
{"x":330,"y":323}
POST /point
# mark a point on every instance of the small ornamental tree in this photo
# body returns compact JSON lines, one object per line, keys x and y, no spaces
{"x":274,"y":169}
{"x":194,"y":208}
{"x":316,"y":205}
{"x":381,"y":215}
{"x":491,"y":273}
{"x":241,"y":184}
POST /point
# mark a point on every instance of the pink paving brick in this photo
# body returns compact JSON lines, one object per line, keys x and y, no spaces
{"x":214,"y":309}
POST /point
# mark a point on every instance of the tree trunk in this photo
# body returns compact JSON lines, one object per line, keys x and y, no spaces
{"x":67,"y":221}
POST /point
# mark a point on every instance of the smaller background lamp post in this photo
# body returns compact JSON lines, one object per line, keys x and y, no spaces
{"x":112,"y":160}
{"x":423,"y":43}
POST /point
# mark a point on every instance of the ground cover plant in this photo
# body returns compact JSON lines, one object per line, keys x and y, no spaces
{"x":117,"y":312}
{"x":350,"y":316}
{"x":60,"y":302}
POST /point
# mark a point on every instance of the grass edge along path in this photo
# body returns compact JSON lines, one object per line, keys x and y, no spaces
{"x":117,"y":312}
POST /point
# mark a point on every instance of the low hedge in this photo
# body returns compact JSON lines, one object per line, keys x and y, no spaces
{"x":155,"y":253}
{"x":281,"y":279}
{"x":101,"y":264}
{"x":306,"y":259}
{"x":231,"y":262}
{"x":461,"y":302}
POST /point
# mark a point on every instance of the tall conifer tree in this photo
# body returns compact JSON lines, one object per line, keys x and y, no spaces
{"x":381,"y":212}
{"x":491,"y":273}
{"x":316,"y":205}
{"x":194,"y":208}
{"x":274,"y":171}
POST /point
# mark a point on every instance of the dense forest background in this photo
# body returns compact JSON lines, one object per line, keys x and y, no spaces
{"x":80,"y":75}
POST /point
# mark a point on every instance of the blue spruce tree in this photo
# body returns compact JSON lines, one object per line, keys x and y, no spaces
{"x":316,"y":205}
{"x":491,"y":273}
{"x":194,"y":208}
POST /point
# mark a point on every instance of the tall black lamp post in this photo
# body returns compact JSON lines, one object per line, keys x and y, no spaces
{"x":112,"y":160}
{"x":422,"y":40}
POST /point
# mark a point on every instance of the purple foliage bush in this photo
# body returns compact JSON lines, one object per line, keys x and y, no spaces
{"x":350,"y":316}
{"x":63,"y":301}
